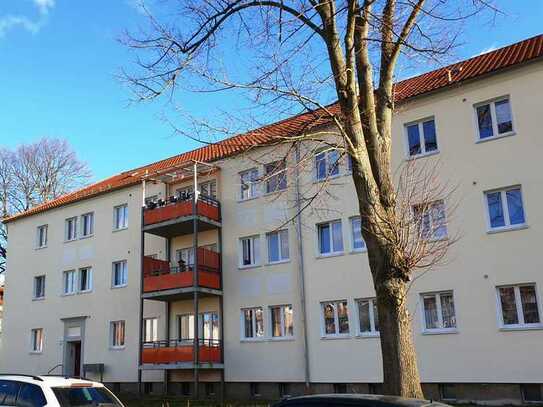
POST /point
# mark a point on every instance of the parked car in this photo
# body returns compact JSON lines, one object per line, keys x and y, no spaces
{"x":354,"y":400}
{"x":53,"y":391}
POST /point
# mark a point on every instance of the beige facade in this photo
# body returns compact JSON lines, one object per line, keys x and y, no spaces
{"x":479,"y":349}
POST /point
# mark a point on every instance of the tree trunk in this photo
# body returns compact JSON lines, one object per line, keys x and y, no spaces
{"x":400,"y":371}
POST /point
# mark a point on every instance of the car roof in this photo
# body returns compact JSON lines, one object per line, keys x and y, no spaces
{"x":359,"y":400}
{"x":48,"y":380}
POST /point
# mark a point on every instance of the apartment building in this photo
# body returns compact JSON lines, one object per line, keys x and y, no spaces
{"x":107,"y":281}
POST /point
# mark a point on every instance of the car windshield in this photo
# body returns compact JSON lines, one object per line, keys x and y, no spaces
{"x":85,"y":396}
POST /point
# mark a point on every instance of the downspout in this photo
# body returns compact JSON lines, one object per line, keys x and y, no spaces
{"x":301,"y":270}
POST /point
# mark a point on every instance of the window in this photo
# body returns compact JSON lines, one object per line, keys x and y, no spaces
{"x":254,"y":388}
{"x":185,"y":327}
{"x":31,"y":396}
{"x":367,"y":317}
{"x":421,"y":137}
{"x":282,"y":322}
{"x":278,"y":249}
{"x":85,"y":279}
{"x":439,"y":314}
{"x":447,"y":391}
{"x":330,"y":237}
{"x":150,"y":329}
{"x":209,"y":188}
{"x":41,"y":236}
{"x":335,"y":318}
{"x":505,"y":208}
{"x":518,"y":306}
{"x":208,"y":326}
{"x":210,"y":389}
{"x":340,"y":388}
{"x":185,"y":389}
{"x":356,"y":234}
{"x":70,"y":282}
{"x":149,"y":199}
{"x":36,"y":338}
{"x":87,"y":224}
{"x":531,"y":392}
{"x":117,"y":334}
{"x":249,"y":247}
{"x":8,"y":392}
{"x":494,"y":119}
{"x":120,"y":274}
{"x":284,"y":390}
{"x":326,"y":164}
{"x":120,"y":217}
{"x":39,"y":287}
{"x":185,"y":258}
{"x":276,"y":176}
{"x":249,"y":184}
{"x":431,"y":220}
{"x":70,"y":229}
{"x":253,"y":323}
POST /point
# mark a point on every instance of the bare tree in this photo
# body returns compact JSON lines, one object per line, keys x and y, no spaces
{"x":33,"y":174}
{"x":308,"y":53}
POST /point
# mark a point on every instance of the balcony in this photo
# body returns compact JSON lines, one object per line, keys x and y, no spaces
{"x":179,"y":354}
{"x":161,"y":280}
{"x":175,"y":216}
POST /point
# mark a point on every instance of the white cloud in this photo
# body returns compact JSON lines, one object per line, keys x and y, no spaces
{"x":44,"y":5}
{"x":8,"y":22}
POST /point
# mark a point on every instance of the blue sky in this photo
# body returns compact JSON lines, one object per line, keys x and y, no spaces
{"x":58,"y":64}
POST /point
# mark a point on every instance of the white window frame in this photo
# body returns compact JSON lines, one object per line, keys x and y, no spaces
{"x":88,"y":215}
{"x":520,"y":312}
{"x":327,"y":165}
{"x":430,"y":207}
{"x":492,"y":103}
{"x":207,"y":185}
{"x":372,"y":333}
{"x":252,"y":187}
{"x":39,"y":243}
{"x":358,"y":249}
{"x":423,"y":152}
{"x":116,"y":223}
{"x":505,"y":208}
{"x":36,"y":340}
{"x":70,"y":229}
{"x":337,"y":334}
{"x":440,"y":329}
{"x":150,"y":322}
{"x":333,"y":251}
{"x":112,"y":334}
{"x":124,"y":270}
{"x":283,"y":257}
{"x":278,"y":173}
{"x":255,"y":251}
{"x":282,"y":309}
{"x":255,"y":337}
{"x":75,"y":282}
{"x":89,"y":280}
{"x":35,"y":286}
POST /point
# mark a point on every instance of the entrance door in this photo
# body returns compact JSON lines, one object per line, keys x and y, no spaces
{"x":73,"y":365}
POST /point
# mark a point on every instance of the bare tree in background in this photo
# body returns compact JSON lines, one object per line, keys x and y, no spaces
{"x":33,"y":174}
{"x":301,"y":52}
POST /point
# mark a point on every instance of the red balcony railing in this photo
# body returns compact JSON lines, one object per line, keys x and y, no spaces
{"x":175,"y":207}
{"x":158,"y":275}
{"x":181,"y":351}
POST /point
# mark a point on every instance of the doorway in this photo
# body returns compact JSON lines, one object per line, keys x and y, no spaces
{"x":74,"y":333}
{"x":73,"y":359}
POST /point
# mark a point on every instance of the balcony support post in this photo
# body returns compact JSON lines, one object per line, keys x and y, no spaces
{"x":142,"y":253}
{"x":196,"y":347}
{"x":167,"y":337}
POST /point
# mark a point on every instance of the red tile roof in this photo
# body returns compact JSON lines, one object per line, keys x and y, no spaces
{"x":476,"y":67}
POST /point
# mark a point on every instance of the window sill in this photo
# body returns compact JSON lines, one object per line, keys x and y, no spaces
{"x":116,"y":348}
{"x":120,"y":229}
{"x":279,"y":191}
{"x":273,"y":263}
{"x":114,"y":287}
{"x":248,"y":199}
{"x":40,"y":247}
{"x":38,"y":298}
{"x":249,"y":267}
{"x":282,"y":339}
{"x":507,"y":228}
{"x":368,"y":335}
{"x":422,"y":155}
{"x":533,"y":327}
{"x":68,"y":294}
{"x":85,"y":292}
{"x":252,"y":340}
{"x":358,"y":251}
{"x":325,"y":256}
{"x":35,"y":352}
{"x":86,"y":237}
{"x":69,"y":241}
{"x":499,"y":136}
{"x":439,"y":331}
{"x":327,"y":178}
{"x":334,"y":337}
